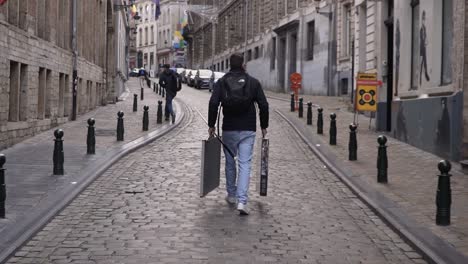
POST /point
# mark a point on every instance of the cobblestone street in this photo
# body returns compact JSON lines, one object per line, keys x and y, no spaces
{"x":147,"y":209}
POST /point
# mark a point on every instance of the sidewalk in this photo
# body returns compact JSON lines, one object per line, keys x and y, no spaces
{"x":34,"y":195}
{"x":408,"y":199}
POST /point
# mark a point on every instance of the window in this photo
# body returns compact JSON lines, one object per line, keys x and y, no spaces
{"x":273,"y":54}
{"x":447,"y":38}
{"x":41,"y":95}
{"x":140,"y":38}
{"x":151,"y":58}
{"x":222,"y":66}
{"x":152,"y":35}
{"x":61,"y":101}
{"x":256,"y":53}
{"x":146,"y":35}
{"x":249,"y":55}
{"x":346,"y":31}
{"x":310,"y":40}
{"x":362,"y":37}
{"x":18,"y":92}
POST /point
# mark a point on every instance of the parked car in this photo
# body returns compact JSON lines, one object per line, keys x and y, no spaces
{"x":191,"y":78}
{"x":202,"y":79}
{"x":214,"y":78}
{"x":184,"y":75}
{"x":134,"y":72}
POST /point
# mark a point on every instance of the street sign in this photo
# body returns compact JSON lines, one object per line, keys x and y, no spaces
{"x":296,"y":79}
{"x":366,"y":92}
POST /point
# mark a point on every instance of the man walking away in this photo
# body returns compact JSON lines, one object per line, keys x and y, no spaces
{"x":168,"y":80}
{"x":237,"y":92}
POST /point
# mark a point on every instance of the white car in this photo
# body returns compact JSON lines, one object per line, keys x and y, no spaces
{"x":214,"y":78}
{"x":202,"y":78}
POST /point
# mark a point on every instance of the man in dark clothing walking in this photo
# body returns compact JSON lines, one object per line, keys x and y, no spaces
{"x":169,"y":80}
{"x":237,"y":92}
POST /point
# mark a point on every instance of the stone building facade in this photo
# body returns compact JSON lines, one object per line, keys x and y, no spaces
{"x":37,"y":63}
{"x":277,"y":38}
{"x":416,"y":47}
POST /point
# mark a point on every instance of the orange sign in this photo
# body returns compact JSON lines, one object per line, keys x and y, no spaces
{"x":366,"y":92}
{"x":296,"y":79}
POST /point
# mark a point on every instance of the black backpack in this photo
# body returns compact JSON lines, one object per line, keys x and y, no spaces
{"x":236,"y":94}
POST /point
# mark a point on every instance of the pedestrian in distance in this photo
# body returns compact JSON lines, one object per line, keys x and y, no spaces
{"x":237,"y":93}
{"x":169,"y":80}
{"x":142,"y":76}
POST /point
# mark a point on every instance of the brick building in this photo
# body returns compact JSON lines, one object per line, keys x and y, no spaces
{"x":37,"y":62}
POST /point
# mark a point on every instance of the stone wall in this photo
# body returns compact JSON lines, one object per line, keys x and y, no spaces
{"x":36,"y":64}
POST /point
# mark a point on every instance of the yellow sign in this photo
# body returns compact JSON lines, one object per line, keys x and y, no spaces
{"x":366,"y":92}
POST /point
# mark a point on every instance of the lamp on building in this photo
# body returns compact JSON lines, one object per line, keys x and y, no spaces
{"x":317,"y":8}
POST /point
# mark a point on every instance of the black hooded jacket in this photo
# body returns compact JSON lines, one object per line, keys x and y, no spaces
{"x":169,"y":82}
{"x":245,"y":121}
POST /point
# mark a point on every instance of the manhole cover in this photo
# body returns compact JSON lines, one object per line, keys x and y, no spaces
{"x":105,"y":132}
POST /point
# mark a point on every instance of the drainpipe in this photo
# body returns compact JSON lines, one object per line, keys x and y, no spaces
{"x":74,"y":59}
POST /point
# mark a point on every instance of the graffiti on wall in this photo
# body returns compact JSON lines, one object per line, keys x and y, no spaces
{"x":422,"y":48}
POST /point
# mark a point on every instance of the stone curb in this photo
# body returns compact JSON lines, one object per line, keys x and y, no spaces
{"x":25,"y":229}
{"x":433,"y":248}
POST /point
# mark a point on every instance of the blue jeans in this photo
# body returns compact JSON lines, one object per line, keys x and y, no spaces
{"x":168,"y":108}
{"x":241,"y":143}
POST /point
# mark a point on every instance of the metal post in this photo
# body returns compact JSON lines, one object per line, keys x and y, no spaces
{"x":382,"y":162}
{"x":352,"y":142}
{"x":332,"y":129}
{"x":293,"y":105}
{"x":141,"y":93}
{"x":2,"y":186}
{"x":135,"y":102}
{"x":91,"y":137}
{"x":164,"y":92}
{"x":154,"y":87}
{"x":159,"y":113}
{"x":444,"y":194}
{"x":160,"y":90}
{"x":157,"y":88}
{"x":120,"y":126}
{"x":58,"y":157}
{"x":145,"y":118}
{"x":309,"y":113}
{"x":320,"y":121}
{"x":301,"y":107}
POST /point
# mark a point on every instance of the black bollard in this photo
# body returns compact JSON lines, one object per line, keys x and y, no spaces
{"x":145,"y":118}
{"x":157,"y":88}
{"x":154,"y":87}
{"x":159,"y":113}
{"x":293,"y":104}
{"x":91,"y":138}
{"x":120,"y":126}
{"x":2,"y":186}
{"x":135,"y":102}
{"x":301,"y":107}
{"x":332,"y":129}
{"x":444,"y":194}
{"x":163,"y":92}
{"x":160,"y":90}
{"x":352,"y":142}
{"x":320,"y":121}
{"x":58,"y":152}
{"x":141,"y":93}
{"x":382,"y":162}
{"x":309,"y":113}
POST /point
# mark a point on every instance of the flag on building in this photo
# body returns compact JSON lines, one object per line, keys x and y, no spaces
{"x":157,"y":13}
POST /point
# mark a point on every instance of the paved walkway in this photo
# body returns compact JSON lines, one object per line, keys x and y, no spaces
{"x":412,"y":174}
{"x":309,"y":215}
{"x":34,"y":195}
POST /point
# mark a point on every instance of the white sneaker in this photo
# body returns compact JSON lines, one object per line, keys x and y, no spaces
{"x":231,"y":199}
{"x":242,"y":208}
